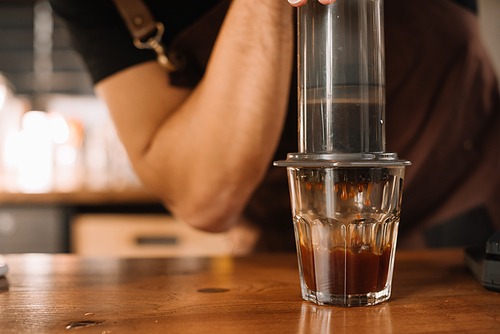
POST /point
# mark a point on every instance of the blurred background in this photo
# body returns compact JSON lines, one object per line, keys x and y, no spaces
{"x":66,"y":184}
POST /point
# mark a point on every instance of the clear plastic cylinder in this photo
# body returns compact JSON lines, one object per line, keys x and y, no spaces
{"x":341,"y":77}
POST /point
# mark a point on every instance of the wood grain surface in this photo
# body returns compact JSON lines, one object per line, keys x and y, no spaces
{"x":432,"y":293}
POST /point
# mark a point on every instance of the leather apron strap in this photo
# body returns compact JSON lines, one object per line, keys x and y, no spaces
{"x":146,"y":31}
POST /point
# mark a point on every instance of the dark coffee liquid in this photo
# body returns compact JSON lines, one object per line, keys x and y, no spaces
{"x":342,"y":126}
{"x":345,"y":271}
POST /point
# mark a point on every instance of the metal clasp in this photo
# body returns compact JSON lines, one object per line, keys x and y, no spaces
{"x":154,"y":43}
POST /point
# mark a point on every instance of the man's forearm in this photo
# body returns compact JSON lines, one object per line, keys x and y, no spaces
{"x":206,"y":153}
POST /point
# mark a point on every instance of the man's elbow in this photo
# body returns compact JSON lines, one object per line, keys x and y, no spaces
{"x":209,"y":217}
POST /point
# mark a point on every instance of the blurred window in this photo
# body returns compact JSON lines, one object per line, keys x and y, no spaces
{"x":35,"y":51}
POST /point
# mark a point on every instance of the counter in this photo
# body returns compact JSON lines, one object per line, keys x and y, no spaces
{"x":432,"y":292}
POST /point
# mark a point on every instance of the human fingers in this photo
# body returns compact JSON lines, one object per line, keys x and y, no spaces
{"x":298,"y":3}
{"x":326,"y":2}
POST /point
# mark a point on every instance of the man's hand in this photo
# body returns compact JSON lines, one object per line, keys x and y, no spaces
{"x":298,"y":3}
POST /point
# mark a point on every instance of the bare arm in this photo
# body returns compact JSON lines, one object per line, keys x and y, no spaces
{"x":205,"y":151}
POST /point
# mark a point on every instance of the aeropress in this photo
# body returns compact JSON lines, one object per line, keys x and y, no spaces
{"x":345,"y":189}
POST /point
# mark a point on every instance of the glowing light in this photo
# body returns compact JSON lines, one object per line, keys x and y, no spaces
{"x":34,"y":122}
{"x":3,"y":95}
{"x":58,"y":127}
{"x":66,"y":154}
{"x":34,"y":161}
{"x":11,"y":149}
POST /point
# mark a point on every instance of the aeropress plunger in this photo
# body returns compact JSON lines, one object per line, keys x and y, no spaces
{"x":345,"y":189}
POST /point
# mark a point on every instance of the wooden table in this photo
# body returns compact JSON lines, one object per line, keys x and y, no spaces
{"x":432,"y":293}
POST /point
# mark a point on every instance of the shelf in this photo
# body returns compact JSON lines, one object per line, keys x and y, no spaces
{"x":132,"y":196}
